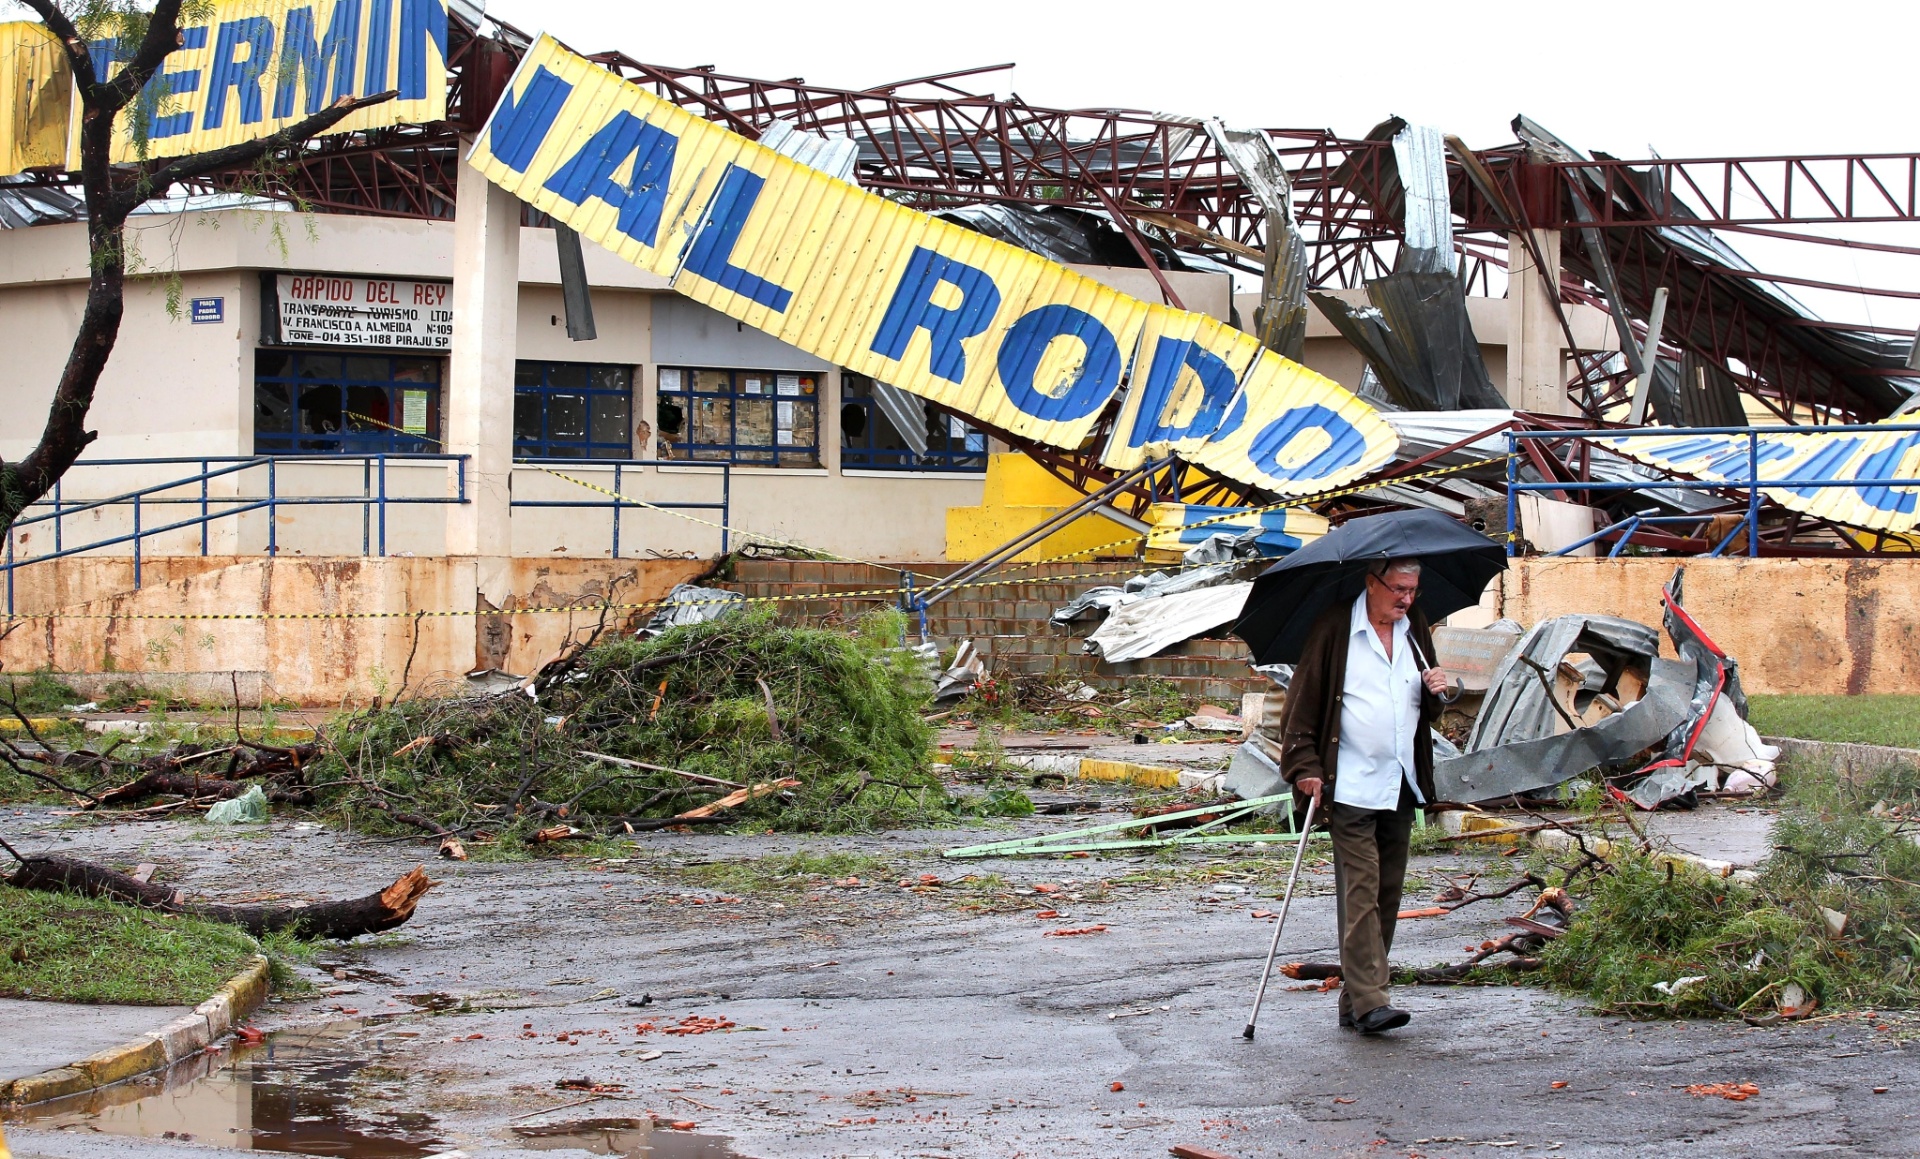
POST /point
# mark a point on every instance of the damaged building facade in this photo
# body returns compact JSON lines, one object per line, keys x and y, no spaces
{"x":407,"y":399}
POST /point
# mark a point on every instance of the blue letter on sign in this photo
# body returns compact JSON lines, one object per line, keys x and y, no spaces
{"x":1345,"y":445}
{"x":421,"y":21}
{"x":256,"y":32}
{"x":711,"y":256}
{"x":1027,"y":341}
{"x":1169,"y":357}
{"x":912,"y":309}
{"x":518,"y":127}
{"x":589,"y":174}
{"x":1881,"y":465}
{"x":299,"y":54}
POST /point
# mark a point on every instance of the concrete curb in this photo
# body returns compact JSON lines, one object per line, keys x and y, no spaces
{"x":181,"y":1038}
{"x":1499,"y":831}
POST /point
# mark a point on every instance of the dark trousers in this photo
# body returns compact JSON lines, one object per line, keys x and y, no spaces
{"x":1369,"y":869}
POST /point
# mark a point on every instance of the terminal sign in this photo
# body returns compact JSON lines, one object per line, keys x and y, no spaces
{"x":984,"y":328}
{"x":332,"y":310}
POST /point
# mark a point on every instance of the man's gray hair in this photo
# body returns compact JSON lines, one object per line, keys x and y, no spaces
{"x":1387,"y":567}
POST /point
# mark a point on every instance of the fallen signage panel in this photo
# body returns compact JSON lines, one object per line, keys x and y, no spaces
{"x":938,"y":310}
{"x":1816,"y":456}
{"x":249,"y":68}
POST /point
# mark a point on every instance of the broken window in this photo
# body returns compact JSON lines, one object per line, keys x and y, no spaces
{"x":768,"y":418}
{"x":572,"y":410}
{"x":885,"y":428}
{"x":353,"y":405}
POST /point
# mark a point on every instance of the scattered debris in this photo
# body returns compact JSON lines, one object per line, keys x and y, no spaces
{"x":250,"y":806}
{"x":1734,"y":1092}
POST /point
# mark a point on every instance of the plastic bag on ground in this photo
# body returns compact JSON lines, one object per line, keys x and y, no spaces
{"x":248,"y":806}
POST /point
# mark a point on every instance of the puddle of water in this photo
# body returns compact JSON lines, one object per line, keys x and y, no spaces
{"x":630,"y":1138}
{"x":312,"y":1091}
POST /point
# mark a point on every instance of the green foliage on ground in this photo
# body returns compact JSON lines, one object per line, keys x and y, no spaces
{"x":41,"y":692}
{"x":61,"y":948}
{"x":1889,"y":719}
{"x":1845,"y":845}
{"x":847,"y":707}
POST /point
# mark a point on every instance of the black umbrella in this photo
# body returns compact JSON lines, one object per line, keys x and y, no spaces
{"x":1456,"y":563}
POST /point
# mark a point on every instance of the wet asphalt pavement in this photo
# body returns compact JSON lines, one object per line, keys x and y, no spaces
{"x":942,"y":1018}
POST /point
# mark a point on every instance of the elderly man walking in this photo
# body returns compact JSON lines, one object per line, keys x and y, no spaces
{"x":1355,"y":729}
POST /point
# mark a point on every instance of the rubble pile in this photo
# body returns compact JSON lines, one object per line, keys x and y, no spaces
{"x":731,"y":720}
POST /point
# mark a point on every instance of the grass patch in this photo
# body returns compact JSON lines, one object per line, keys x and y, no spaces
{"x":1887,"y":719}
{"x":1841,"y":845}
{"x":71,"y":949}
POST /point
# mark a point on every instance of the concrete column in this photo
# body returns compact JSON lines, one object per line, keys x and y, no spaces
{"x":1536,"y":345}
{"x":479,"y":393}
{"x":828,"y":417}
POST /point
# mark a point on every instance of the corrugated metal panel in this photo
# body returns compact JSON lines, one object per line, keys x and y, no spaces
{"x":35,"y":88}
{"x":1295,"y":432}
{"x":975,"y":324}
{"x":1281,"y":532}
{"x":1187,"y":370}
{"x":255,"y":67}
{"x":1814,"y":455}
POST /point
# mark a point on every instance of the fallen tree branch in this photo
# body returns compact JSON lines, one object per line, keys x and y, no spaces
{"x":623,"y":761}
{"x":383,"y":910}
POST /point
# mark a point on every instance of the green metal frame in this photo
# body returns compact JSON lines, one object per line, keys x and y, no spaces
{"x":1074,"y":840}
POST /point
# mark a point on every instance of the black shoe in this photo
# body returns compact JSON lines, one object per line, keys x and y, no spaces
{"x":1380,"y":1019}
{"x":1347,"y":1022}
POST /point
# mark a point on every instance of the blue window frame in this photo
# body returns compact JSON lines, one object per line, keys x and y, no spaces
{"x":869,"y":440}
{"x":345,"y":404}
{"x":766,"y":418}
{"x":572,"y":410}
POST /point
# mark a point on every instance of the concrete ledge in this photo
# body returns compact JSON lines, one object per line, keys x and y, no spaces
{"x":178,"y":1039}
{"x":1841,"y":757}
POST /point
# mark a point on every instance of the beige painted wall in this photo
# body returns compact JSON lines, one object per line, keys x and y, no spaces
{"x":333,"y":659}
{"x":1795,"y":625}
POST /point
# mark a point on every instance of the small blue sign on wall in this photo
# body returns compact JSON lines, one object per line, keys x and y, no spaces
{"x":203,"y":310}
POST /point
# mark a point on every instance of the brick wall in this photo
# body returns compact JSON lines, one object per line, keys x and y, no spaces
{"x":1007,"y":621}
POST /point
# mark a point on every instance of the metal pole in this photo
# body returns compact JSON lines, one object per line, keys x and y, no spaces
{"x":1513,"y":497}
{"x":1649,"y":358}
{"x":383,"y":506}
{"x":726,"y":504}
{"x":1753,"y":493}
{"x":203,"y":508}
{"x":273,"y":508}
{"x":136,"y":540}
{"x":366,"y":505}
{"x":616,"y":505}
{"x":58,"y":519}
{"x":1306,"y":830}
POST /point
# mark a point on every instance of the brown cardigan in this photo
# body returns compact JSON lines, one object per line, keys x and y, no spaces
{"x":1310,"y":727}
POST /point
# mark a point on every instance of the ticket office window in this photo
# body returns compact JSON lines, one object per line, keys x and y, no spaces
{"x":765,"y":418}
{"x":572,"y":410}
{"x":870,"y":441}
{"x":345,"y":404}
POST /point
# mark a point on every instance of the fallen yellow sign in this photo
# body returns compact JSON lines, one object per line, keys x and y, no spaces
{"x":975,"y":324}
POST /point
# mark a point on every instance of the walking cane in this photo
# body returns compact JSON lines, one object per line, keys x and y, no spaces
{"x":1300,"y":852}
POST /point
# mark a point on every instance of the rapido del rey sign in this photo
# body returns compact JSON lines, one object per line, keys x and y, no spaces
{"x":986,"y":328}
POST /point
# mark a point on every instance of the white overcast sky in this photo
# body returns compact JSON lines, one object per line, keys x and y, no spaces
{"x":1686,"y":78}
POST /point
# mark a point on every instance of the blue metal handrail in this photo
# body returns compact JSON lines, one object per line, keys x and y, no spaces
{"x":623,"y":503}
{"x":373,"y":498}
{"x":1752,"y":484}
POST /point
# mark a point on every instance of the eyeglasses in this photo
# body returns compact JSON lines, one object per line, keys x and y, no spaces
{"x":1404,"y":591}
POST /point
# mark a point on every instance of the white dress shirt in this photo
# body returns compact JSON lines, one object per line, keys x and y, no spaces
{"x":1379,"y":717}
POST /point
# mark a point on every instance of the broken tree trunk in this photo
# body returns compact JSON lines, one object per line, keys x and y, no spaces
{"x":384,"y":910}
